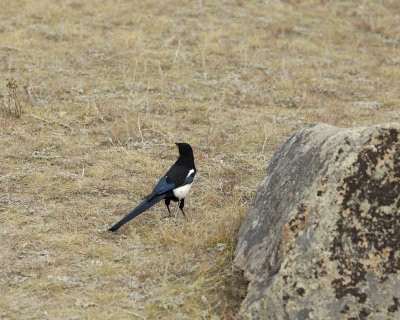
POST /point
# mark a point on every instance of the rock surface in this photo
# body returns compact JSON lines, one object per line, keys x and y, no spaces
{"x":322,"y":238}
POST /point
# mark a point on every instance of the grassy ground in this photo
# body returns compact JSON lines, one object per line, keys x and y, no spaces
{"x":107,"y":87}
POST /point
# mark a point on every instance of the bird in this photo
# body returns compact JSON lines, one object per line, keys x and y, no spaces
{"x":173,"y":186}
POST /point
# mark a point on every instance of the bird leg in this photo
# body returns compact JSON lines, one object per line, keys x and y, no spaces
{"x":181,"y":205}
{"x":167,"y":203}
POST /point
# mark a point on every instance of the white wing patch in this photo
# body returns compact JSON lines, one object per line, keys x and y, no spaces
{"x":182,"y":192}
{"x":190,"y":172}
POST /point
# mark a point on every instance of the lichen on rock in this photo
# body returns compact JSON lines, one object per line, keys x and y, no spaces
{"x":327,"y":240}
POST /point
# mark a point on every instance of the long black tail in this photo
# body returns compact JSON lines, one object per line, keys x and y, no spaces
{"x":146,"y":204}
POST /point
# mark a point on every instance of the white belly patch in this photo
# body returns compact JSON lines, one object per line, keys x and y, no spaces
{"x":181,"y":192}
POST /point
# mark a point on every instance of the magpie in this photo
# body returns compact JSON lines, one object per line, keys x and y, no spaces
{"x":173,"y":186}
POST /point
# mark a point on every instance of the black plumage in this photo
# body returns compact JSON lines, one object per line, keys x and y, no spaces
{"x":173,"y":186}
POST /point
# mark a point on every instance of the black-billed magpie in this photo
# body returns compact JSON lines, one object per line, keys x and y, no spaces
{"x":174,"y":185}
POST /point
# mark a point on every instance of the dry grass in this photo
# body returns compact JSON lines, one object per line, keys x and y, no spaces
{"x":111,"y":86}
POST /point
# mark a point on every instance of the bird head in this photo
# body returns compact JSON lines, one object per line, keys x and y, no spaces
{"x":185,"y":150}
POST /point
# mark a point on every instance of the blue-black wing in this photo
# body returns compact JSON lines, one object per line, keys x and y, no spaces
{"x":189,"y":179}
{"x":163,"y":186}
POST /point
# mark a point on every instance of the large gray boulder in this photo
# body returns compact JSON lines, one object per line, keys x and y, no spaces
{"x":322,"y":237}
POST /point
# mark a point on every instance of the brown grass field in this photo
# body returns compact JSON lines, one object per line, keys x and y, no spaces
{"x":105,"y":89}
